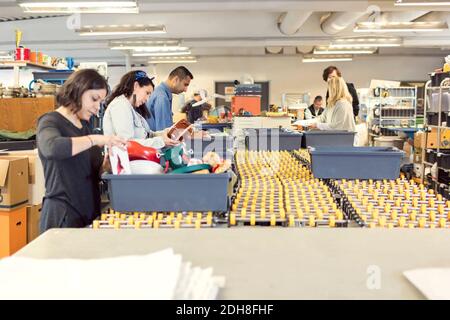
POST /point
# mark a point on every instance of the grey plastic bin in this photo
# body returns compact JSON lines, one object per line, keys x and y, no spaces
{"x":222,"y":145}
{"x":168,"y":192}
{"x":327,"y":138}
{"x":356,"y":162}
{"x":272,"y":139}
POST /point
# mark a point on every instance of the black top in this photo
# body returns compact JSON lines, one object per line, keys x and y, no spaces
{"x":354,"y":94}
{"x":313,"y":110}
{"x":194,"y":113}
{"x":73,"y":180}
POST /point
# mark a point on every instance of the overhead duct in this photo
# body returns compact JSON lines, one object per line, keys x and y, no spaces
{"x":339,"y":21}
{"x":402,"y":16}
{"x":305,"y":49}
{"x":435,"y":16}
{"x":291,"y":22}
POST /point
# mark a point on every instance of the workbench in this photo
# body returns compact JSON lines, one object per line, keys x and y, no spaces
{"x":273,"y":263}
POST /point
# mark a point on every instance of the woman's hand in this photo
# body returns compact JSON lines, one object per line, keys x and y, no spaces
{"x":109,"y":141}
{"x":168,"y":142}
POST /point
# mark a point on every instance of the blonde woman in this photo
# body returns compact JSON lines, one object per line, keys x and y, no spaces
{"x":338,"y":114}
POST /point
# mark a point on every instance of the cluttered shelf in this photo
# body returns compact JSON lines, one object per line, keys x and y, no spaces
{"x":12,"y":64}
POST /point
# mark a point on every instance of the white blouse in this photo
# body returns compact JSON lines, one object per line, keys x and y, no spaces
{"x":121,"y":119}
{"x":337,"y":117}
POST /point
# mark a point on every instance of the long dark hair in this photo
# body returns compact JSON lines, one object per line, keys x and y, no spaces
{"x":69,"y":95}
{"x":126,"y":87}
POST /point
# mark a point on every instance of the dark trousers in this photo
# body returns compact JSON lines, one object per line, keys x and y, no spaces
{"x":58,"y":214}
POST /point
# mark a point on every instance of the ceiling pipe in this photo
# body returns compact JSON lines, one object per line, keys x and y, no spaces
{"x":304,"y":49}
{"x":403,"y":16}
{"x":274,"y":50}
{"x":291,"y":22}
{"x":339,"y":21}
{"x":435,"y":16}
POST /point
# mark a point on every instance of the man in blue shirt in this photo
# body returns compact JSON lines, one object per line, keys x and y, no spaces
{"x":160,"y":103}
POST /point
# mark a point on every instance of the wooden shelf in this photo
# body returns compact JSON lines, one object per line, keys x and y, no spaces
{"x":12,"y":64}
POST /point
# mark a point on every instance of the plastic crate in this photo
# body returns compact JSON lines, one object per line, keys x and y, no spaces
{"x":54,"y":76}
{"x":430,"y":156}
{"x":356,"y":162}
{"x":434,"y":102}
{"x":438,"y":77}
{"x":433,"y":118}
{"x":14,"y":145}
{"x":443,"y":160}
{"x":222,"y":145}
{"x":328,"y":138}
{"x":443,"y":176}
{"x":216,"y":126}
{"x":169,"y":192}
{"x":272,"y":139}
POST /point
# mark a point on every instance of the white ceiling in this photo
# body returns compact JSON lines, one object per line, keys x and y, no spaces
{"x":216,"y":27}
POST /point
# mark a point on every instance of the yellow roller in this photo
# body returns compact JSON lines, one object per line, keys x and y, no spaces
{"x":312,"y":222}
{"x":232,"y":219}
{"x":273,"y":220}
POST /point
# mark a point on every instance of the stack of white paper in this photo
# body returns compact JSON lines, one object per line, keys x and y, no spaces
{"x":161,"y":275}
{"x":434,"y":283}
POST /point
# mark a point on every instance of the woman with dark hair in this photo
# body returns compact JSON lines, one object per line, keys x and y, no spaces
{"x":71,"y":155}
{"x":126,"y":113}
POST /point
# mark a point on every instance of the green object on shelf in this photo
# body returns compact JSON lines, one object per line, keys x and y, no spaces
{"x":193,"y":168}
{"x":14,"y":135}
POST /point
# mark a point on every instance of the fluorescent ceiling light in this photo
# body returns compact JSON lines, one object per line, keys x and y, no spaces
{"x":434,"y":26}
{"x":330,"y":58}
{"x":160,"y":49}
{"x":146,"y":45}
{"x":422,"y":3}
{"x":159,"y":54}
{"x":84,"y":6}
{"x":187,"y":59}
{"x":374,"y":42}
{"x":355,"y":50}
{"x":102,"y":30}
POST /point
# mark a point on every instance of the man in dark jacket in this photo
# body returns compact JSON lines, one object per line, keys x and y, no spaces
{"x":195,"y":113}
{"x":332,"y":72}
{"x":316,"y":108}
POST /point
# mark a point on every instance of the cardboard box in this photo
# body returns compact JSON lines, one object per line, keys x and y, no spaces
{"x":13,"y":182}
{"x":419,"y":139}
{"x":13,"y":231}
{"x":432,"y":139}
{"x":36,"y":179}
{"x":21,"y":114}
{"x":417,"y":156}
{"x":33,"y":218}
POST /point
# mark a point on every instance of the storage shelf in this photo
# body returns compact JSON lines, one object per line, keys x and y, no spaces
{"x":397,"y":118}
{"x":399,"y":98}
{"x":12,"y":64}
{"x":433,"y":126}
{"x":396,"y":108}
{"x":432,"y":164}
{"x":437,"y":88}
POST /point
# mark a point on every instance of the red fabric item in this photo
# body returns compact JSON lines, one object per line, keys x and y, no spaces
{"x":137,"y":151}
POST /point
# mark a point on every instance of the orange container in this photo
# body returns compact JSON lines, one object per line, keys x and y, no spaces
{"x":251,"y":104}
{"x":13,"y":231}
{"x":33,"y":57}
{"x":40,"y":57}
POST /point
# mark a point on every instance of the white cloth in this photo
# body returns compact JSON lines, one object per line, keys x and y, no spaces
{"x":121,"y":119}
{"x":434,"y":283}
{"x":337,"y":117}
{"x":165,"y":276}
{"x":305,"y":123}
